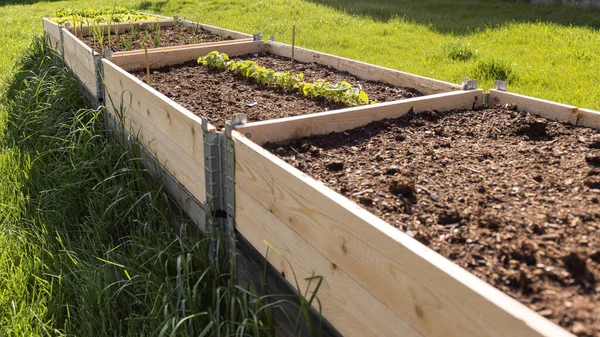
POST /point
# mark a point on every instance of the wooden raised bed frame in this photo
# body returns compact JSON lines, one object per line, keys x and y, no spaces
{"x":377,"y":280}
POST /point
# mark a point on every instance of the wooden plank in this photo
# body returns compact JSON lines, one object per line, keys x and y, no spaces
{"x":156,"y":15}
{"x":52,"y":31}
{"x":348,"y":306}
{"x":548,"y":109}
{"x":588,"y":118}
{"x":172,"y":133}
{"x":158,"y":59}
{"x":178,"y":163}
{"x":289,"y":128}
{"x":86,"y":30}
{"x":187,"y":46}
{"x":218,"y":30}
{"x":172,"y":119}
{"x":80,"y":58}
{"x":435,"y":296}
{"x":254,"y":272}
{"x":364,"y":70}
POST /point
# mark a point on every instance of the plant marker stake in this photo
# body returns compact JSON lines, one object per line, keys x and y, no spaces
{"x":293,"y":43}
{"x":147,"y":65}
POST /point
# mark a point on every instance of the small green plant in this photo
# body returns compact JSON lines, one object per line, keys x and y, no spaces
{"x":132,"y":31}
{"x":341,"y":92}
{"x":215,"y":59}
{"x":98,"y":33}
{"x":457,"y":51}
{"x":157,"y":35}
{"x":147,"y":37}
{"x":222,"y":34}
{"x":127,"y":42}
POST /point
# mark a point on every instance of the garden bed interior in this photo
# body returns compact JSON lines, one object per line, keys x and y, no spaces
{"x":151,"y":35}
{"x":511,"y":197}
{"x":219,"y":94}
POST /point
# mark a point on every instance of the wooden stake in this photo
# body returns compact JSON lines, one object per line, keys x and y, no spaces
{"x":293,"y":43}
{"x":147,"y":64}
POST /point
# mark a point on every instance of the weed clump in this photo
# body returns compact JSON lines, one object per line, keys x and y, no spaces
{"x":456,"y":51}
{"x":494,"y":69}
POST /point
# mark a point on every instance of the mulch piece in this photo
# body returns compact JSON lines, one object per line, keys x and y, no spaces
{"x":509,"y":196}
{"x":217,"y":95}
{"x":170,"y":36}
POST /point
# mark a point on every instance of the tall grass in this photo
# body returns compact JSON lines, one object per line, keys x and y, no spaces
{"x":87,"y":246}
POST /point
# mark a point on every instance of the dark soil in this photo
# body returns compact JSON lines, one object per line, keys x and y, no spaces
{"x":511,"y":197}
{"x":217,"y":95}
{"x":169,"y":36}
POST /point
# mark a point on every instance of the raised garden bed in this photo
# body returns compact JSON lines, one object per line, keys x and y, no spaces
{"x":511,"y":197}
{"x":217,"y":95}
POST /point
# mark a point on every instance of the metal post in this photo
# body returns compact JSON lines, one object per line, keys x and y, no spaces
{"x":99,"y":75}
{"x":500,"y":85}
{"x":469,"y":84}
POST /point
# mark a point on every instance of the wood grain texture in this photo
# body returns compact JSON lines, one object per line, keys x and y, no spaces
{"x":80,"y":58}
{"x":435,"y":296}
{"x":290,"y":128}
{"x":187,"y":46}
{"x":52,"y":31}
{"x":218,"y":30}
{"x":548,"y":109}
{"x":588,"y":118}
{"x":170,"y":132}
{"x":162,"y":58}
{"x":364,"y":70}
{"x":348,"y":306}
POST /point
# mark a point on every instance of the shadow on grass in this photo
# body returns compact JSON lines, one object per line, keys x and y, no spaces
{"x":464,"y":17}
{"x":22,"y":2}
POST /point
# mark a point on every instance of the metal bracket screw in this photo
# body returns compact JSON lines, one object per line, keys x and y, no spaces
{"x":500,"y":85}
{"x":469,"y":84}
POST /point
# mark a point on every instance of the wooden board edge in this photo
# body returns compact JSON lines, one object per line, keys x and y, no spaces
{"x":187,"y":46}
{"x":52,"y":31}
{"x":290,"y":128}
{"x":176,"y":106}
{"x":157,"y":15}
{"x":161,"y":59}
{"x":424,"y":84}
{"x":469,"y":293}
{"x":588,"y":118}
{"x":87,"y":48}
{"x":186,"y":166}
{"x":218,"y":30}
{"x":544,"y":108}
{"x":347,"y":305}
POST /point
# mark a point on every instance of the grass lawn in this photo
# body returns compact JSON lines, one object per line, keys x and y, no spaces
{"x":550,"y":52}
{"x":77,"y":217}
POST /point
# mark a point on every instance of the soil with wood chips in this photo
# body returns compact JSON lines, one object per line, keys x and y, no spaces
{"x":169,"y":36}
{"x":217,"y":94}
{"x":509,"y":196}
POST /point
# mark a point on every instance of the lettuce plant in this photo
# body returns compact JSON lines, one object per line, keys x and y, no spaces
{"x":341,"y":92}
